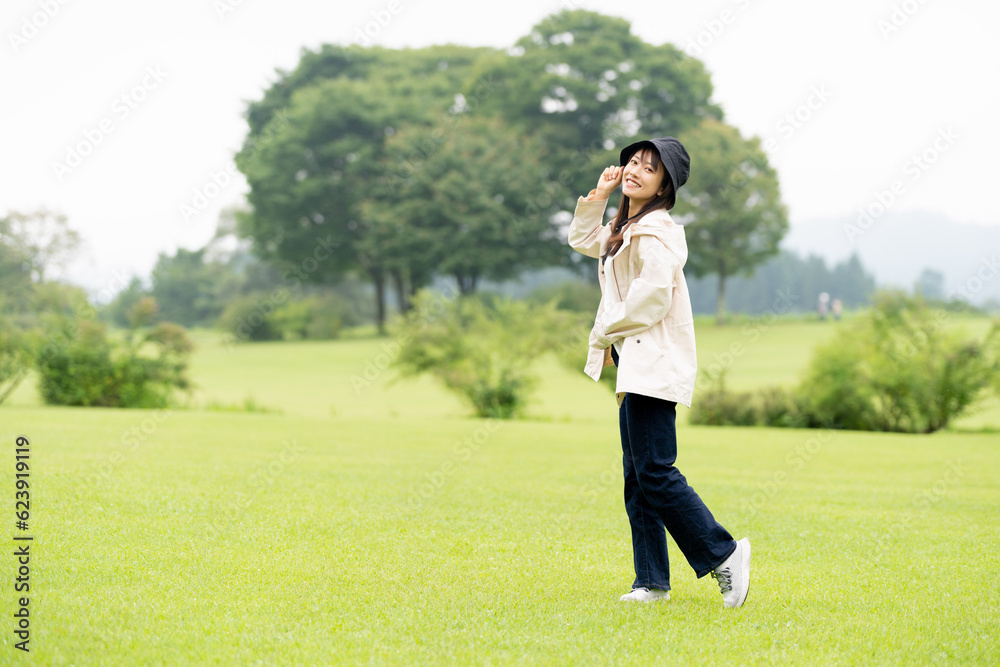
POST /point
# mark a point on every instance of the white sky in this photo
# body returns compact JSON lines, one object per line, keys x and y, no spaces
{"x":885,"y":99}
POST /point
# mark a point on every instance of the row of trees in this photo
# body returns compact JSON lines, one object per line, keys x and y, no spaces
{"x":787,"y":283}
{"x":208,"y":288}
{"x":243,"y":295}
{"x":460,"y":161}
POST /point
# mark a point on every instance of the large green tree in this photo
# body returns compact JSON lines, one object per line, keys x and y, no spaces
{"x":369,"y":154}
{"x":308,"y":178}
{"x":732,"y":204}
{"x":317,"y":151}
{"x":586,"y":86}
{"x":458,"y":211}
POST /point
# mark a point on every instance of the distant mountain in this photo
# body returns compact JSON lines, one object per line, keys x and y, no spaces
{"x":896,"y":248}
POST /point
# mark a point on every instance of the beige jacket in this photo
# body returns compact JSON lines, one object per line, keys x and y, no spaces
{"x":644,"y":304}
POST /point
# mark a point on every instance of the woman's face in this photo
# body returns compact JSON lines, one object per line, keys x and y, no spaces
{"x":642,"y":179}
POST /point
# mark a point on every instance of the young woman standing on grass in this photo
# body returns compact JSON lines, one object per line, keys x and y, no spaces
{"x":645,"y":327}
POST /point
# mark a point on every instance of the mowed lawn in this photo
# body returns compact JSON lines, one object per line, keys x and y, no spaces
{"x":378,"y":523}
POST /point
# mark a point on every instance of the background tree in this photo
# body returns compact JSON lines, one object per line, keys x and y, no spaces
{"x":458,"y":212}
{"x":732,"y":204}
{"x":930,"y":285}
{"x":41,"y":238}
{"x":184,"y":286}
{"x":852,"y":284}
{"x":316,"y":151}
{"x":786,"y":283}
{"x":330,"y":142}
{"x":15,"y":360}
{"x":118,"y":309}
{"x":586,"y":86}
{"x":15,"y":280}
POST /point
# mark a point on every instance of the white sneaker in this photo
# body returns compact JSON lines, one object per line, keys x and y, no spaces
{"x":734,"y":575}
{"x":646,"y":595}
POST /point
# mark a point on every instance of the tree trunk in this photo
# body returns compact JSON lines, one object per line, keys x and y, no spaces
{"x":379,"y":281}
{"x":401,"y":282}
{"x":720,"y":302}
{"x":466,"y":283}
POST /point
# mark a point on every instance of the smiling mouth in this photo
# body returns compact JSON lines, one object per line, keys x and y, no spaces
{"x":632,"y":183}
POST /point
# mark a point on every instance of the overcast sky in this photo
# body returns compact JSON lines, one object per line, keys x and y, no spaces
{"x":858,"y":98}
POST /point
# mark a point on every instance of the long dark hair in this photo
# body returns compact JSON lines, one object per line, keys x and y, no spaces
{"x":666,"y":200}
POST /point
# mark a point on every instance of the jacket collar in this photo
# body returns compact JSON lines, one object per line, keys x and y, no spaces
{"x":651,"y":223}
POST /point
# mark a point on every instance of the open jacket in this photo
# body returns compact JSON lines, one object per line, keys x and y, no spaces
{"x":645,"y":306}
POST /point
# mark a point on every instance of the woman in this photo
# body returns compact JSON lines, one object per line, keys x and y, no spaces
{"x":645,"y":327}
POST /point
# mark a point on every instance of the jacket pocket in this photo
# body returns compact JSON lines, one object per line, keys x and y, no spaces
{"x":642,"y":345}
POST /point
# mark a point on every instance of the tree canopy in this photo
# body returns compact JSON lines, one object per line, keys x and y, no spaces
{"x":732,"y":204}
{"x":455,"y":161}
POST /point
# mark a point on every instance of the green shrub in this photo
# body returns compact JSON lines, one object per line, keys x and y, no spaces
{"x":771,"y":406}
{"x":896,"y":368}
{"x":482,"y":351}
{"x":899,"y":368}
{"x":718,"y":407}
{"x":777,"y":406}
{"x":15,"y":359}
{"x":79,"y":365}
{"x":272,"y":316}
{"x":251,"y":317}
{"x":316,"y":318}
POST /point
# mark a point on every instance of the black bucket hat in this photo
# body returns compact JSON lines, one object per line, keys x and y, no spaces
{"x":672,"y":154}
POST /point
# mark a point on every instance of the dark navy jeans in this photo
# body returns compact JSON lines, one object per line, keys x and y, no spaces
{"x":658,"y":497}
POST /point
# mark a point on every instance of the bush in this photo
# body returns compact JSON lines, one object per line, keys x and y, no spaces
{"x":79,"y":365}
{"x":772,"y":406}
{"x":718,"y":407}
{"x":482,"y":351}
{"x":777,"y":406}
{"x":314,"y":318}
{"x":899,"y":369}
{"x":15,"y":359}
{"x":896,"y":368}
{"x":250,"y":318}
{"x":262,"y":317}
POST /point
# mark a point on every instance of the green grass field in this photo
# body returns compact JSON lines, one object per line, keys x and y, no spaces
{"x":371,"y":521}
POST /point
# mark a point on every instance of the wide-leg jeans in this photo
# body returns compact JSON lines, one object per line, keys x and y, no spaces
{"x":658,"y":497}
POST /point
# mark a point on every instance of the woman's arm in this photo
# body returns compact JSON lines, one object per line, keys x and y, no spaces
{"x":585,"y":230}
{"x":649,"y":295}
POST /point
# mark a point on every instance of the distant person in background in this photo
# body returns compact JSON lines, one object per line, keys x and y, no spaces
{"x":645,"y":327}
{"x":836,"y":307}
{"x":823,"y":305}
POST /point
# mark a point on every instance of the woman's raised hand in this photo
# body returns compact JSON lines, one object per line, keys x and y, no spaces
{"x":609,"y":182}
